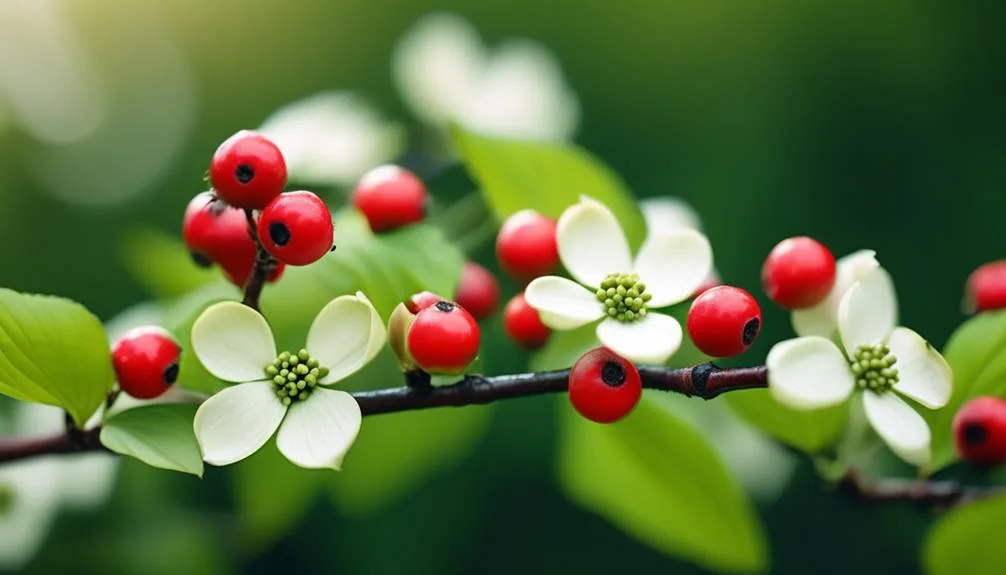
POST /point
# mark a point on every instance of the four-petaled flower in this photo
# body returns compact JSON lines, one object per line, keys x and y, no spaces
{"x":319,"y":424}
{"x":668,"y":269}
{"x":876,"y":357}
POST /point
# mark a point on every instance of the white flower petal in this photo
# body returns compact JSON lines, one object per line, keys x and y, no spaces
{"x":808,"y":373}
{"x":562,"y":304}
{"x":24,"y":524}
{"x":591,"y":242}
{"x":822,"y":319}
{"x":673,"y":265}
{"x":233,"y":342}
{"x":868,"y":312}
{"x":651,"y":340}
{"x":237,"y":421}
{"x":923,"y":374}
{"x":88,"y":479}
{"x":900,"y":426}
{"x":346,"y":334}
{"x":319,"y":431}
{"x":666,"y":214}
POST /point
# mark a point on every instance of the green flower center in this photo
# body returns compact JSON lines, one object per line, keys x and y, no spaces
{"x":873,"y":366}
{"x":295,"y":375}
{"x":624,"y":297}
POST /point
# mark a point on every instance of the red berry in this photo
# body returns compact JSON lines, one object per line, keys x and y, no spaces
{"x":296,"y":228}
{"x":526,"y":247}
{"x":146,"y":361}
{"x":724,"y":321}
{"x":478,"y":291}
{"x":248,"y":170}
{"x":523,"y":324}
{"x":390,"y":197}
{"x":986,"y":288}
{"x":798,"y":273}
{"x":421,"y":301}
{"x":217,"y":233}
{"x":444,"y":338}
{"x":604,"y":387}
{"x":980,"y":430}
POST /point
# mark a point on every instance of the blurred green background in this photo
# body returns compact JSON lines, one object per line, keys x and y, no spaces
{"x":866,"y":125}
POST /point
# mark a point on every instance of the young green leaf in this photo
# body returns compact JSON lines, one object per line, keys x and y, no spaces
{"x":808,"y":431}
{"x":158,"y":435}
{"x":545,"y":176}
{"x":53,"y":351}
{"x":658,"y":480}
{"x":968,"y":540}
{"x":976,"y":353}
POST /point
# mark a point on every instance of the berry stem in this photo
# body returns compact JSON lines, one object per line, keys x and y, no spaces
{"x":264,"y":263}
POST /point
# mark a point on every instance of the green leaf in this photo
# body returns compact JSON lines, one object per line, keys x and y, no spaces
{"x":564,"y":348}
{"x":273,"y":495}
{"x":160,"y":263}
{"x":809,"y":431}
{"x":968,"y":540}
{"x":158,"y":435}
{"x":545,"y":176}
{"x":53,"y":351}
{"x":658,"y":480}
{"x":976,"y":353}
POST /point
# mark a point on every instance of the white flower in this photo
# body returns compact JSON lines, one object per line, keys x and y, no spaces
{"x":596,"y":253}
{"x":822,"y":319}
{"x":878,"y":357}
{"x":445,"y":73}
{"x":319,"y":424}
{"x":35,"y":489}
{"x":666,"y":214}
{"x":332,"y":138}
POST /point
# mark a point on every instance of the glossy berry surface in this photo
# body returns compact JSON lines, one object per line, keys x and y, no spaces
{"x":604,"y":387}
{"x":798,"y":273}
{"x":248,"y":170}
{"x":390,"y":197}
{"x":523,"y":324}
{"x":526,"y":246}
{"x":980,"y":430}
{"x":443,"y":339}
{"x":296,"y":228}
{"x":724,"y":321}
{"x":422,"y":300}
{"x":986,"y":288}
{"x":216,"y":233}
{"x":478,"y":291}
{"x":146,"y":362}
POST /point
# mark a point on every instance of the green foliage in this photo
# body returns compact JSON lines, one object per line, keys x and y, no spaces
{"x":976,"y":353}
{"x":161,"y":264}
{"x":545,"y":176}
{"x":53,"y":351}
{"x":657,"y":479}
{"x":968,"y":540}
{"x":564,"y":348}
{"x":809,"y":431}
{"x":159,"y":435}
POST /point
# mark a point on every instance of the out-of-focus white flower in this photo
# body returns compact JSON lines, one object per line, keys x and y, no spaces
{"x":445,"y":73}
{"x":332,"y":137}
{"x":37,"y":488}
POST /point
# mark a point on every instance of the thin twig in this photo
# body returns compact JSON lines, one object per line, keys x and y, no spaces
{"x":264,"y":263}
{"x":930,"y":494}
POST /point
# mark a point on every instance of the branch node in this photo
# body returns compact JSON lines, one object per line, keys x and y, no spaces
{"x":699,"y":377}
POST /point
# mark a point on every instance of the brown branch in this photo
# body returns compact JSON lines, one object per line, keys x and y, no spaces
{"x":264,"y":264}
{"x":705,"y":380}
{"x":929,"y":494}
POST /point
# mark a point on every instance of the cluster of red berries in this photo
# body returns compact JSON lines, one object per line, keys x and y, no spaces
{"x":980,"y":431}
{"x":248,"y":174}
{"x":146,"y":361}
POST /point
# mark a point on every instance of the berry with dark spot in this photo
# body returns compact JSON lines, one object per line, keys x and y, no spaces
{"x":523,"y":324}
{"x":724,"y":321}
{"x":478,"y":291}
{"x":146,"y":361}
{"x":443,"y":339}
{"x":390,"y":197}
{"x":603,"y":386}
{"x":421,"y":301}
{"x":980,"y":430}
{"x":248,"y":170}
{"x":798,"y":273}
{"x":296,"y":228}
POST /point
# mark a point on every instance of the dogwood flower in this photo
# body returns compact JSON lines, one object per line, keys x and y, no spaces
{"x":444,"y":73}
{"x":284,"y":391}
{"x":877,"y":357}
{"x":612,"y":286}
{"x":822,"y":319}
{"x":665,"y":214}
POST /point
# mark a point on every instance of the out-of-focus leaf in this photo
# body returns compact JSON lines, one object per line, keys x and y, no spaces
{"x":160,"y":263}
{"x":968,"y":540}
{"x":158,"y":435}
{"x":976,"y":353}
{"x":545,"y":176}
{"x":658,"y":480}
{"x":564,"y":348}
{"x":53,"y":351}
{"x":808,"y":431}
